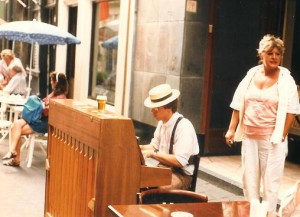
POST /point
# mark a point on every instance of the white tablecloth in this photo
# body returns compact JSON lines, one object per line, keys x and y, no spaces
{"x":12,"y":99}
{"x":12,"y":102}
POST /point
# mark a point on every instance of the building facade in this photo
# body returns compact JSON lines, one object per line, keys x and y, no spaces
{"x":201,"y":47}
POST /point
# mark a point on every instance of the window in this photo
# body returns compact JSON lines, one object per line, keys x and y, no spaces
{"x":104,"y":50}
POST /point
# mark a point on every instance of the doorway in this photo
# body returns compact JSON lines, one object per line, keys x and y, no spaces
{"x":70,"y":72}
{"x":237,"y":30}
{"x":295,"y":65}
{"x":291,"y":61}
{"x":46,"y":53}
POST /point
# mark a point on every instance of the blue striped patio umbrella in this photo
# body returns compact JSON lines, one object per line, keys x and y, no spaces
{"x":36,"y":32}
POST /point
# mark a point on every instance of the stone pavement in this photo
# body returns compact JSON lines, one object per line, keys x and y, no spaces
{"x":217,"y":189}
{"x":22,"y":189}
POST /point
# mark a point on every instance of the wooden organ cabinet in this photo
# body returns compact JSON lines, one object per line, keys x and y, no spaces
{"x":93,"y":156}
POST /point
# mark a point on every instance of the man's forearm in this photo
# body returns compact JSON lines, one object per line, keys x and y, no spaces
{"x":167,"y":159}
{"x":147,"y":147}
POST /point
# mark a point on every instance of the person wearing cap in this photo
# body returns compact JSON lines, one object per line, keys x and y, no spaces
{"x":17,"y":84}
{"x":162,"y":101}
{"x":8,"y":60}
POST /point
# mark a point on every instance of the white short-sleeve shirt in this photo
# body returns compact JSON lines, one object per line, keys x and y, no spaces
{"x":185,"y":140}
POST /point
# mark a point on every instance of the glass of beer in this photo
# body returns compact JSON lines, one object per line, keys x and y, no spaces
{"x":101,"y":103}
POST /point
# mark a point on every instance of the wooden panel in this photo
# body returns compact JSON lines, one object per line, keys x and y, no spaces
{"x":92,"y":156}
{"x":74,"y":121}
{"x":72,"y":169}
{"x":162,"y":174}
{"x":119,"y":165}
{"x":212,"y":209}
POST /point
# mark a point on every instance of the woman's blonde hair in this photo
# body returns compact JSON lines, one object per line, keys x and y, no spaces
{"x":7,"y":52}
{"x":268,"y":42}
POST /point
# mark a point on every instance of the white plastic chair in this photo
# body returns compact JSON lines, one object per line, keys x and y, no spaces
{"x":14,"y":112}
{"x":30,"y":143}
{"x":5,"y":125}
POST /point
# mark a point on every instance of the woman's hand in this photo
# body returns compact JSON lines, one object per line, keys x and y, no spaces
{"x":229,"y":138}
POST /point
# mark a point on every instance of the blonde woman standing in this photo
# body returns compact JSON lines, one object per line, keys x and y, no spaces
{"x":264,"y":105}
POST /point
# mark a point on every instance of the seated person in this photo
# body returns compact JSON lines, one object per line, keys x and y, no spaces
{"x":17,"y":83}
{"x":163,"y":103}
{"x":20,"y":127}
{"x":8,"y":60}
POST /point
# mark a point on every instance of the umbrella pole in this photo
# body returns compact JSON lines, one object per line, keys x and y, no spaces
{"x":29,"y":74}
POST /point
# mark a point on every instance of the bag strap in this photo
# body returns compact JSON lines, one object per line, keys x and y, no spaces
{"x":172,"y":136}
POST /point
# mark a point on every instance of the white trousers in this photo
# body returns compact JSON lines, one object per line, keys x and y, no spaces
{"x":263,"y":163}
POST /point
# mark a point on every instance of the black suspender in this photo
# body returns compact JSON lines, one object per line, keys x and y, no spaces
{"x":172,"y":136}
{"x":191,"y":159}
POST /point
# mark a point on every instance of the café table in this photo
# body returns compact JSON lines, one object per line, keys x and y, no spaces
{"x":210,"y":209}
{"x":14,"y":103}
{"x":15,"y":100}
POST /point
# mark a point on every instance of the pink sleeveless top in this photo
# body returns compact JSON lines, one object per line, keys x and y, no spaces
{"x":260,"y":111}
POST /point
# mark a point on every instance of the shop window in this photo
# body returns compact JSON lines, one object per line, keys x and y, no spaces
{"x":104,"y":50}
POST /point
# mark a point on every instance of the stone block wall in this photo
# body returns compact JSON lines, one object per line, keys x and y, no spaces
{"x":170,"y":48}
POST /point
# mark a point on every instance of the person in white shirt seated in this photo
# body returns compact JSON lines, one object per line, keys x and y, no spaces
{"x":8,"y":60}
{"x":171,"y":151}
{"x":17,"y":83}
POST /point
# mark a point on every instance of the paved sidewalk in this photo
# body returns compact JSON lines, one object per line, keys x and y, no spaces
{"x":23,"y":189}
{"x":229,"y":169}
{"x":217,"y":189}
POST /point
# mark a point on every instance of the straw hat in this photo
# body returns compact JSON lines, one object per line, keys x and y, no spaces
{"x":161,"y":95}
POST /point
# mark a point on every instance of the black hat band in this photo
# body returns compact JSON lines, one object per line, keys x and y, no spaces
{"x":161,"y":99}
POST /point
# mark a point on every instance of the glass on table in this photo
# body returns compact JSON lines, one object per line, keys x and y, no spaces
{"x":101,"y":100}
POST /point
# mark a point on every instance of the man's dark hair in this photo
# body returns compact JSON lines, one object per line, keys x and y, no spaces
{"x":172,"y":105}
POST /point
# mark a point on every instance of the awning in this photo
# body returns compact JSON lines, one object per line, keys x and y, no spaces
{"x":111,"y":43}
